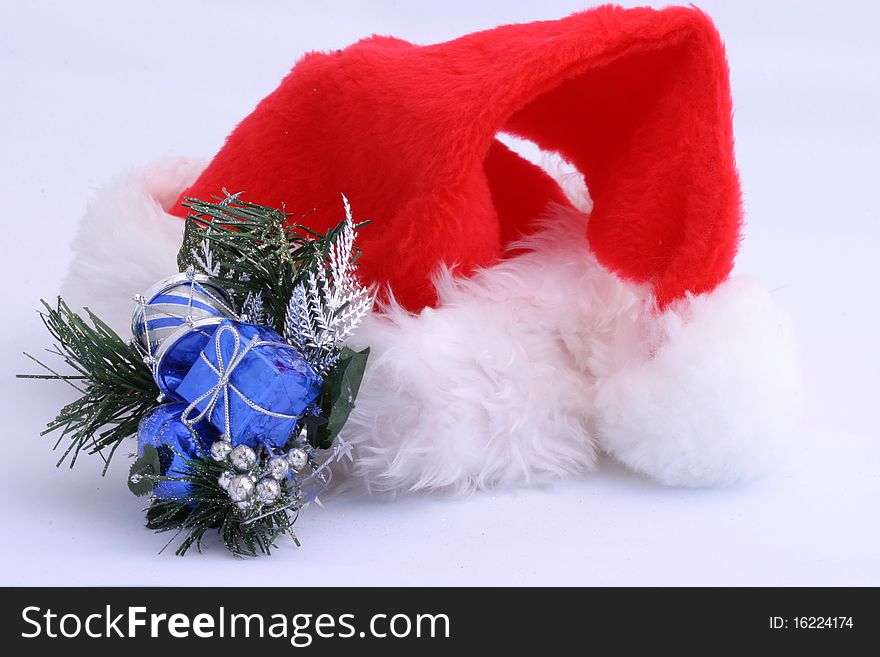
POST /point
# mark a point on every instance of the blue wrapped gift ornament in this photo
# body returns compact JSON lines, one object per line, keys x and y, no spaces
{"x":163,"y":429}
{"x":250,"y":384}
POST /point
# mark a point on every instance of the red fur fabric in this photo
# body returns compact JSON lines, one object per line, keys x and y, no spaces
{"x":637,"y":99}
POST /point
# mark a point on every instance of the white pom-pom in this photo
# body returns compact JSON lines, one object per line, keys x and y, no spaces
{"x":716,"y":402}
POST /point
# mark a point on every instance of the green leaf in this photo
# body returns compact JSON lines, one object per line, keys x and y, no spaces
{"x":340,"y":392}
{"x":142,"y":471}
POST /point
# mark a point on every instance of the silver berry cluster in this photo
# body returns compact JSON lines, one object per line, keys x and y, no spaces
{"x":249,"y":483}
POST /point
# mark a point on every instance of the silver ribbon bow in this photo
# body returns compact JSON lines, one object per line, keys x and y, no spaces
{"x":222,"y":388}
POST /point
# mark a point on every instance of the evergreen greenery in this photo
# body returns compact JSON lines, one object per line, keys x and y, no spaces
{"x":253,"y":249}
{"x":207,"y":507}
{"x":260,"y":258}
{"x":117,"y":386}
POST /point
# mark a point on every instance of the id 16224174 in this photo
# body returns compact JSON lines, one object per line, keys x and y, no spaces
{"x":811,"y":623}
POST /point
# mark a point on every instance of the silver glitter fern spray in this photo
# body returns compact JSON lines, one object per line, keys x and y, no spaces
{"x":329,"y":304}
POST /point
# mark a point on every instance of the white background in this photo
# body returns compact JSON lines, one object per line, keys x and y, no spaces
{"x":89,"y":89}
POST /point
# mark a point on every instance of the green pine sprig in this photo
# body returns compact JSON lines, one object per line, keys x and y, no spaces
{"x":207,"y":506}
{"x":116,"y":385}
{"x":251,"y":248}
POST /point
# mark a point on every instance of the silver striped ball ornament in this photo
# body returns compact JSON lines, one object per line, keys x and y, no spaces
{"x":173,"y":302}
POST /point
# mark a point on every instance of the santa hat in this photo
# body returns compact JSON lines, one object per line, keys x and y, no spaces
{"x":520,"y":336}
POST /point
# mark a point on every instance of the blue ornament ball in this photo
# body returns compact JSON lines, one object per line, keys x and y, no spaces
{"x":163,"y":429}
{"x":171,"y":302}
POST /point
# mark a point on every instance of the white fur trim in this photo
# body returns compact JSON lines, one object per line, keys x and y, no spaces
{"x":524,"y":370}
{"x":718,"y":399}
{"x":493,"y":386}
{"x":127,"y":241}
{"x":504,"y":381}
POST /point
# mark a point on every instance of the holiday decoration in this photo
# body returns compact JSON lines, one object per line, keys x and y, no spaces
{"x":243,"y":458}
{"x":296,"y":459}
{"x":175,"y":443}
{"x":174,"y":302}
{"x":277,"y":467}
{"x":637,"y":100}
{"x":245,"y":403}
{"x":531,"y":317}
{"x":250,"y":384}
